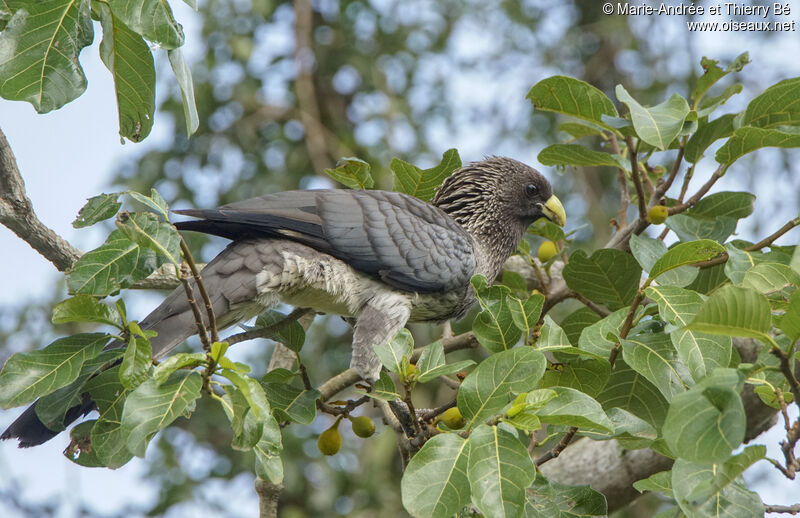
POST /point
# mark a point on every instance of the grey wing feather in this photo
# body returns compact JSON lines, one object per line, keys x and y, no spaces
{"x":406,"y":242}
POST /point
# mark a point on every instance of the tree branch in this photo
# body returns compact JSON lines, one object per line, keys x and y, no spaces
{"x":16,"y":213}
{"x":785,"y":509}
{"x":637,"y":180}
{"x":266,"y":332}
{"x":268,"y":495}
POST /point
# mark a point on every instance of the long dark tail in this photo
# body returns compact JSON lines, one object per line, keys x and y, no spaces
{"x":174,"y":322}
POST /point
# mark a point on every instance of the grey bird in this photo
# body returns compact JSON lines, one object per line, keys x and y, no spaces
{"x":380,"y":258}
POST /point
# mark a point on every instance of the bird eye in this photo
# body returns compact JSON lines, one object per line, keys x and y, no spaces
{"x":531,"y":189}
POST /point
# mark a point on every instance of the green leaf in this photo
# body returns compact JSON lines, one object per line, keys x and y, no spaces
{"x":706,"y":423}
{"x":706,"y":135}
{"x":251,"y":390}
{"x":488,"y":388}
{"x":747,"y":139}
{"x":177,"y":361}
{"x":576,"y":154}
{"x":648,"y":251}
{"x":247,"y":429}
{"x":137,"y":361}
{"x":777,"y":106}
{"x":789,"y":323}
{"x":734,"y":501}
{"x":734,"y":311}
{"x":52,"y":408}
{"x":725,"y":474}
{"x":574,"y":97}
{"x":713,"y":73}
{"x":573,"y":408}
{"x":128,"y":58}
{"x":547,"y":229}
{"x":579,"y":129}
{"x":494,"y":327}
{"x":97,"y":208}
{"x":83,"y":455}
{"x":574,"y":323}
{"x":770,"y":277}
{"x":500,"y":470}
{"x":384,"y":389}
{"x":710,"y":104}
{"x":292,"y":403}
{"x":708,"y":279}
{"x":589,"y":375}
{"x":412,"y":180}
{"x":27,"y":376}
{"x":392,"y":354}
{"x":594,"y":338}
{"x":435,"y":481}
{"x":630,"y":431}
{"x":735,"y":205}
{"x":293,"y":336}
{"x":660,"y":482}
{"x":353,"y":173}
{"x":147,"y":231}
{"x":551,"y":336}
{"x":654,"y":357}
{"x":107,"y":437}
{"x":690,"y":228}
{"x":85,"y":308}
{"x":548,"y":499}
{"x":154,"y":202}
{"x":684,"y":254}
{"x":660,"y":124}
{"x":609,"y":276}
{"x":739,"y":261}
{"x":39,"y":51}
{"x":525,"y":314}
{"x":700,"y":352}
{"x":117,"y":264}
{"x":431,"y":363}
{"x":629,"y":390}
{"x":151,"y":18}
{"x":152,"y":407}
{"x":268,"y":463}
{"x":183,"y":74}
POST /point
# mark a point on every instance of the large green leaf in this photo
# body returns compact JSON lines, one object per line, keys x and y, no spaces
{"x":660,"y":124}
{"x":431,"y":363}
{"x":770,"y":277}
{"x":85,"y":308}
{"x":525,"y":314}
{"x":151,"y":18}
{"x":145,"y":229}
{"x":733,"y":501}
{"x":701,"y":352}
{"x":747,"y":139}
{"x":573,"y":408}
{"x":691,"y":228}
{"x":648,"y":251}
{"x":778,"y":105}
{"x":293,"y":336}
{"x":575,"y":154}
{"x":494,"y":327}
{"x":488,"y":388}
{"x":128,"y":58}
{"x":292,"y":403}
{"x":684,"y":254}
{"x":725,"y":474}
{"x":706,"y":423}
{"x":551,"y":336}
{"x":137,"y":361}
{"x":548,"y":499}
{"x":118,"y":263}
{"x":588,"y":375}
{"x":152,"y":407}
{"x":435,"y":482}
{"x":629,"y":390}
{"x":39,"y":51}
{"x":27,"y":376}
{"x":789,"y":323}
{"x":630,"y":431}
{"x":352,"y":172}
{"x":574,"y":323}
{"x":412,"y":180}
{"x":729,"y":204}
{"x":500,"y":470}
{"x":707,"y":134}
{"x":660,"y":482}
{"x":653,"y":356}
{"x":574,"y":97}
{"x":734,"y":311}
{"x":107,"y":437}
{"x":397,"y":352}
{"x":268,"y":464}
{"x":595,"y":337}
{"x":608,"y":276}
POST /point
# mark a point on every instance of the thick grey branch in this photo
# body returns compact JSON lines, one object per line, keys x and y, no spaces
{"x":16,"y":213}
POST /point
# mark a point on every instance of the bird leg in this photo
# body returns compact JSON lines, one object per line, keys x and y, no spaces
{"x":377,"y":323}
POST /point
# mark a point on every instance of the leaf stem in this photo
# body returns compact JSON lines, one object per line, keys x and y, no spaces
{"x":637,"y":180}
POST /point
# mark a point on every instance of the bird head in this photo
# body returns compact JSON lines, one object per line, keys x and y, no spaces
{"x":498,"y":192}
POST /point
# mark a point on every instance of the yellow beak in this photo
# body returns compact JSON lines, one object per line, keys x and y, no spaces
{"x":554,"y":211}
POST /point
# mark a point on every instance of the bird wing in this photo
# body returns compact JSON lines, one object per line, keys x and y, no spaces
{"x":405,"y":242}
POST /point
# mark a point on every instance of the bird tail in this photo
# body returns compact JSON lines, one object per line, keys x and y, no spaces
{"x":174,"y":322}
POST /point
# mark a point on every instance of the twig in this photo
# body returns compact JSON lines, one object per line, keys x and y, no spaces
{"x":662,"y":189}
{"x":624,"y":198}
{"x":626,"y":326}
{"x":266,"y":332}
{"x":198,"y":318}
{"x":268,"y":495}
{"x":680,"y":207}
{"x":429,"y":413}
{"x":558,"y":448}
{"x":786,"y":370}
{"x":603,"y":312}
{"x":785,"y":509}
{"x":774,"y":236}
{"x":685,"y":184}
{"x":304,"y":87}
{"x":637,"y":180}
{"x":212,"y":319}
{"x":411,"y":410}
{"x":345,"y":410}
{"x":16,"y":213}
